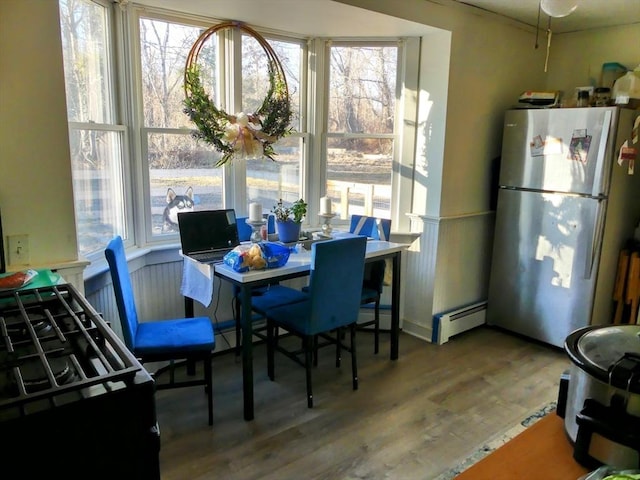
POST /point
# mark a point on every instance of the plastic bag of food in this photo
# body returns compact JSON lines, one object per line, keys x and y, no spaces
{"x":609,"y":473}
{"x":257,"y":256}
{"x":13,"y":281}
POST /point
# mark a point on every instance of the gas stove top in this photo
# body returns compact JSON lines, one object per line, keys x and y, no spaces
{"x":69,"y":385}
{"x":56,"y":349}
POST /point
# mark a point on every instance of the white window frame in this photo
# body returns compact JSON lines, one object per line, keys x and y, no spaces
{"x":114,"y":28}
{"x":400,"y":197}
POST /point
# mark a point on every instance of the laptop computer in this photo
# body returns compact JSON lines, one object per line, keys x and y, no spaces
{"x":208,"y":235}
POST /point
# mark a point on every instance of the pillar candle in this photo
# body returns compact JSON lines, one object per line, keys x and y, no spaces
{"x":255,"y":212}
{"x":325,"y":206}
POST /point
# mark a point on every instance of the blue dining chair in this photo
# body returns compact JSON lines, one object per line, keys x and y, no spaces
{"x":190,"y":339}
{"x":373,"y":284}
{"x":245,"y":230}
{"x":332,"y":304}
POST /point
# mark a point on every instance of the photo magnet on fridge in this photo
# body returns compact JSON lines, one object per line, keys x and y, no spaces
{"x":579,"y":146}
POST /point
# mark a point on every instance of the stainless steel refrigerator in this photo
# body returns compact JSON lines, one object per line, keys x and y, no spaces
{"x":567,"y":204}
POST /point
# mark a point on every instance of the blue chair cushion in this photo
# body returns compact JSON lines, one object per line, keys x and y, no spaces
{"x":294,"y":316}
{"x":276,"y":295}
{"x":177,"y":336}
{"x":368,"y":294}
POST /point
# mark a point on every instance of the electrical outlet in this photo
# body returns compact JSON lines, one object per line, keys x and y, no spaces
{"x":18,"y":249}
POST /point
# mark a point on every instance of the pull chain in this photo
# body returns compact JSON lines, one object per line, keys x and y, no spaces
{"x":546,"y":60}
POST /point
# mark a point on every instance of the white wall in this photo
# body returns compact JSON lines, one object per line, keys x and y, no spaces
{"x":576,"y":59}
{"x":36,"y":196}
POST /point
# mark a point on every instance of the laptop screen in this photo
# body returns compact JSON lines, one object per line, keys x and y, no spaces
{"x":206,"y":230}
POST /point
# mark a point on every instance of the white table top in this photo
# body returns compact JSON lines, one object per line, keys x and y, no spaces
{"x":300,"y":262}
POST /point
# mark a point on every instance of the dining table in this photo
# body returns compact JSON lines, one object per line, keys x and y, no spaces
{"x":298,"y":265}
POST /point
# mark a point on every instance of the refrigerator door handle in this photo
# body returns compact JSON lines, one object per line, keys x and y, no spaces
{"x":600,"y":184}
{"x":596,"y":239}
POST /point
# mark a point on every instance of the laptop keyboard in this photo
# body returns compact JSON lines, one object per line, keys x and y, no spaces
{"x":208,"y":257}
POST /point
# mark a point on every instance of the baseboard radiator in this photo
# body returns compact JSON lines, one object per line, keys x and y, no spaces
{"x":453,"y":322}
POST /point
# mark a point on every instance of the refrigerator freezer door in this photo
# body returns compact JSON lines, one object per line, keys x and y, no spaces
{"x":558,"y":150}
{"x":544,"y":263}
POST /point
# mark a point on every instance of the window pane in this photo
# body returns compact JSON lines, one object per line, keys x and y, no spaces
{"x":97,"y":151}
{"x":362,"y":89}
{"x":359,"y":176}
{"x":255,"y":74}
{"x":361,"y":93}
{"x":97,"y":187}
{"x":164,"y":48}
{"x":179,"y":162}
{"x":269,"y":181}
{"x":85,"y":46}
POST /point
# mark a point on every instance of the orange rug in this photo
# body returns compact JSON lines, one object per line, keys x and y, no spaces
{"x":542,"y":451}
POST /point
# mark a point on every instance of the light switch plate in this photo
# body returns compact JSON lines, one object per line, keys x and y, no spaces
{"x":18,"y":249}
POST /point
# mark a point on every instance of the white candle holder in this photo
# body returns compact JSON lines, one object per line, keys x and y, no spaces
{"x":256,"y":226}
{"x":326,"y":226}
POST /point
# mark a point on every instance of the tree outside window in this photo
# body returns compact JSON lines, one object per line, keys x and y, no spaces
{"x":97,"y":142}
{"x":361,"y":128}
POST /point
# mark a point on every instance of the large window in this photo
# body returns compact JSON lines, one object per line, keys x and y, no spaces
{"x":268,"y":181}
{"x":361,"y":127}
{"x":342,"y":144}
{"x":98,"y":143}
{"x":177,"y":163}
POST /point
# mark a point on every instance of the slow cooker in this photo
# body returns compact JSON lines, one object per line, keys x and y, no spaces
{"x":600,"y":397}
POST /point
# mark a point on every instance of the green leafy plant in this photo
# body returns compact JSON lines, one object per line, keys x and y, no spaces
{"x":296,"y":212}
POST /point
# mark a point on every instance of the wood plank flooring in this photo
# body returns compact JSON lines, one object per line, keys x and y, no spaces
{"x":410,"y":419}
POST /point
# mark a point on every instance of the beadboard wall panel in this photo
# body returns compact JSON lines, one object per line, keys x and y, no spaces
{"x":448,"y":266}
{"x":419,"y":280}
{"x":463,"y":265}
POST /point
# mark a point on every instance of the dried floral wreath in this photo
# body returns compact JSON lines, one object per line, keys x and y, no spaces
{"x":241,"y":135}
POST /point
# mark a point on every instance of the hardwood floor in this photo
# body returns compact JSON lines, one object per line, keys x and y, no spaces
{"x":410,"y":419}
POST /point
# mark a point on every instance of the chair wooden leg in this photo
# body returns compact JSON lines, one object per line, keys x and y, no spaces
{"x":271,"y":344}
{"x":339,"y":335}
{"x":354,"y":364}
{"x":309,"y":346}
{"x":208,"y":378}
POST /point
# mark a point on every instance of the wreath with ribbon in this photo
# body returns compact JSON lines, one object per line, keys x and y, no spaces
{"x":241,"y":135}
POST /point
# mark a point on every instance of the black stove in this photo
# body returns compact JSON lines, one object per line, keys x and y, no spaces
{"x":68,"y":382}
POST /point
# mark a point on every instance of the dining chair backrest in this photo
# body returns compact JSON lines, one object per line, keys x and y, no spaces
{"x":337,"y":268}
{"x":372,"y":227}
{"x":244,"y":229}
{"x":125,"y":300}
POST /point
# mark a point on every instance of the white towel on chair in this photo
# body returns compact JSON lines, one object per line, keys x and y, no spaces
{"x":197,"y":281}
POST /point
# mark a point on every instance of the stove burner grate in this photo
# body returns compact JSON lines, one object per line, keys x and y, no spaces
{"x":53,"y":344}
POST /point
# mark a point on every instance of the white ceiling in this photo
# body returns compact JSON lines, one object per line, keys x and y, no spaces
{"x":329,"y":18}
{"x":304,"y":17}
{"x":590,"y":14}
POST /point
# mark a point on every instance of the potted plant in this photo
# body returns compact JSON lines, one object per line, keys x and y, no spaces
{"x":289,"y":220}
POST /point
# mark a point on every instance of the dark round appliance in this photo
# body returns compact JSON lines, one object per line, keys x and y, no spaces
{"x":602,"y":413}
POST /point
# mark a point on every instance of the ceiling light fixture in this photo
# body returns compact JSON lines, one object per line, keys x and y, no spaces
{"x":554,"y":9}
{"x":558,"y":8}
